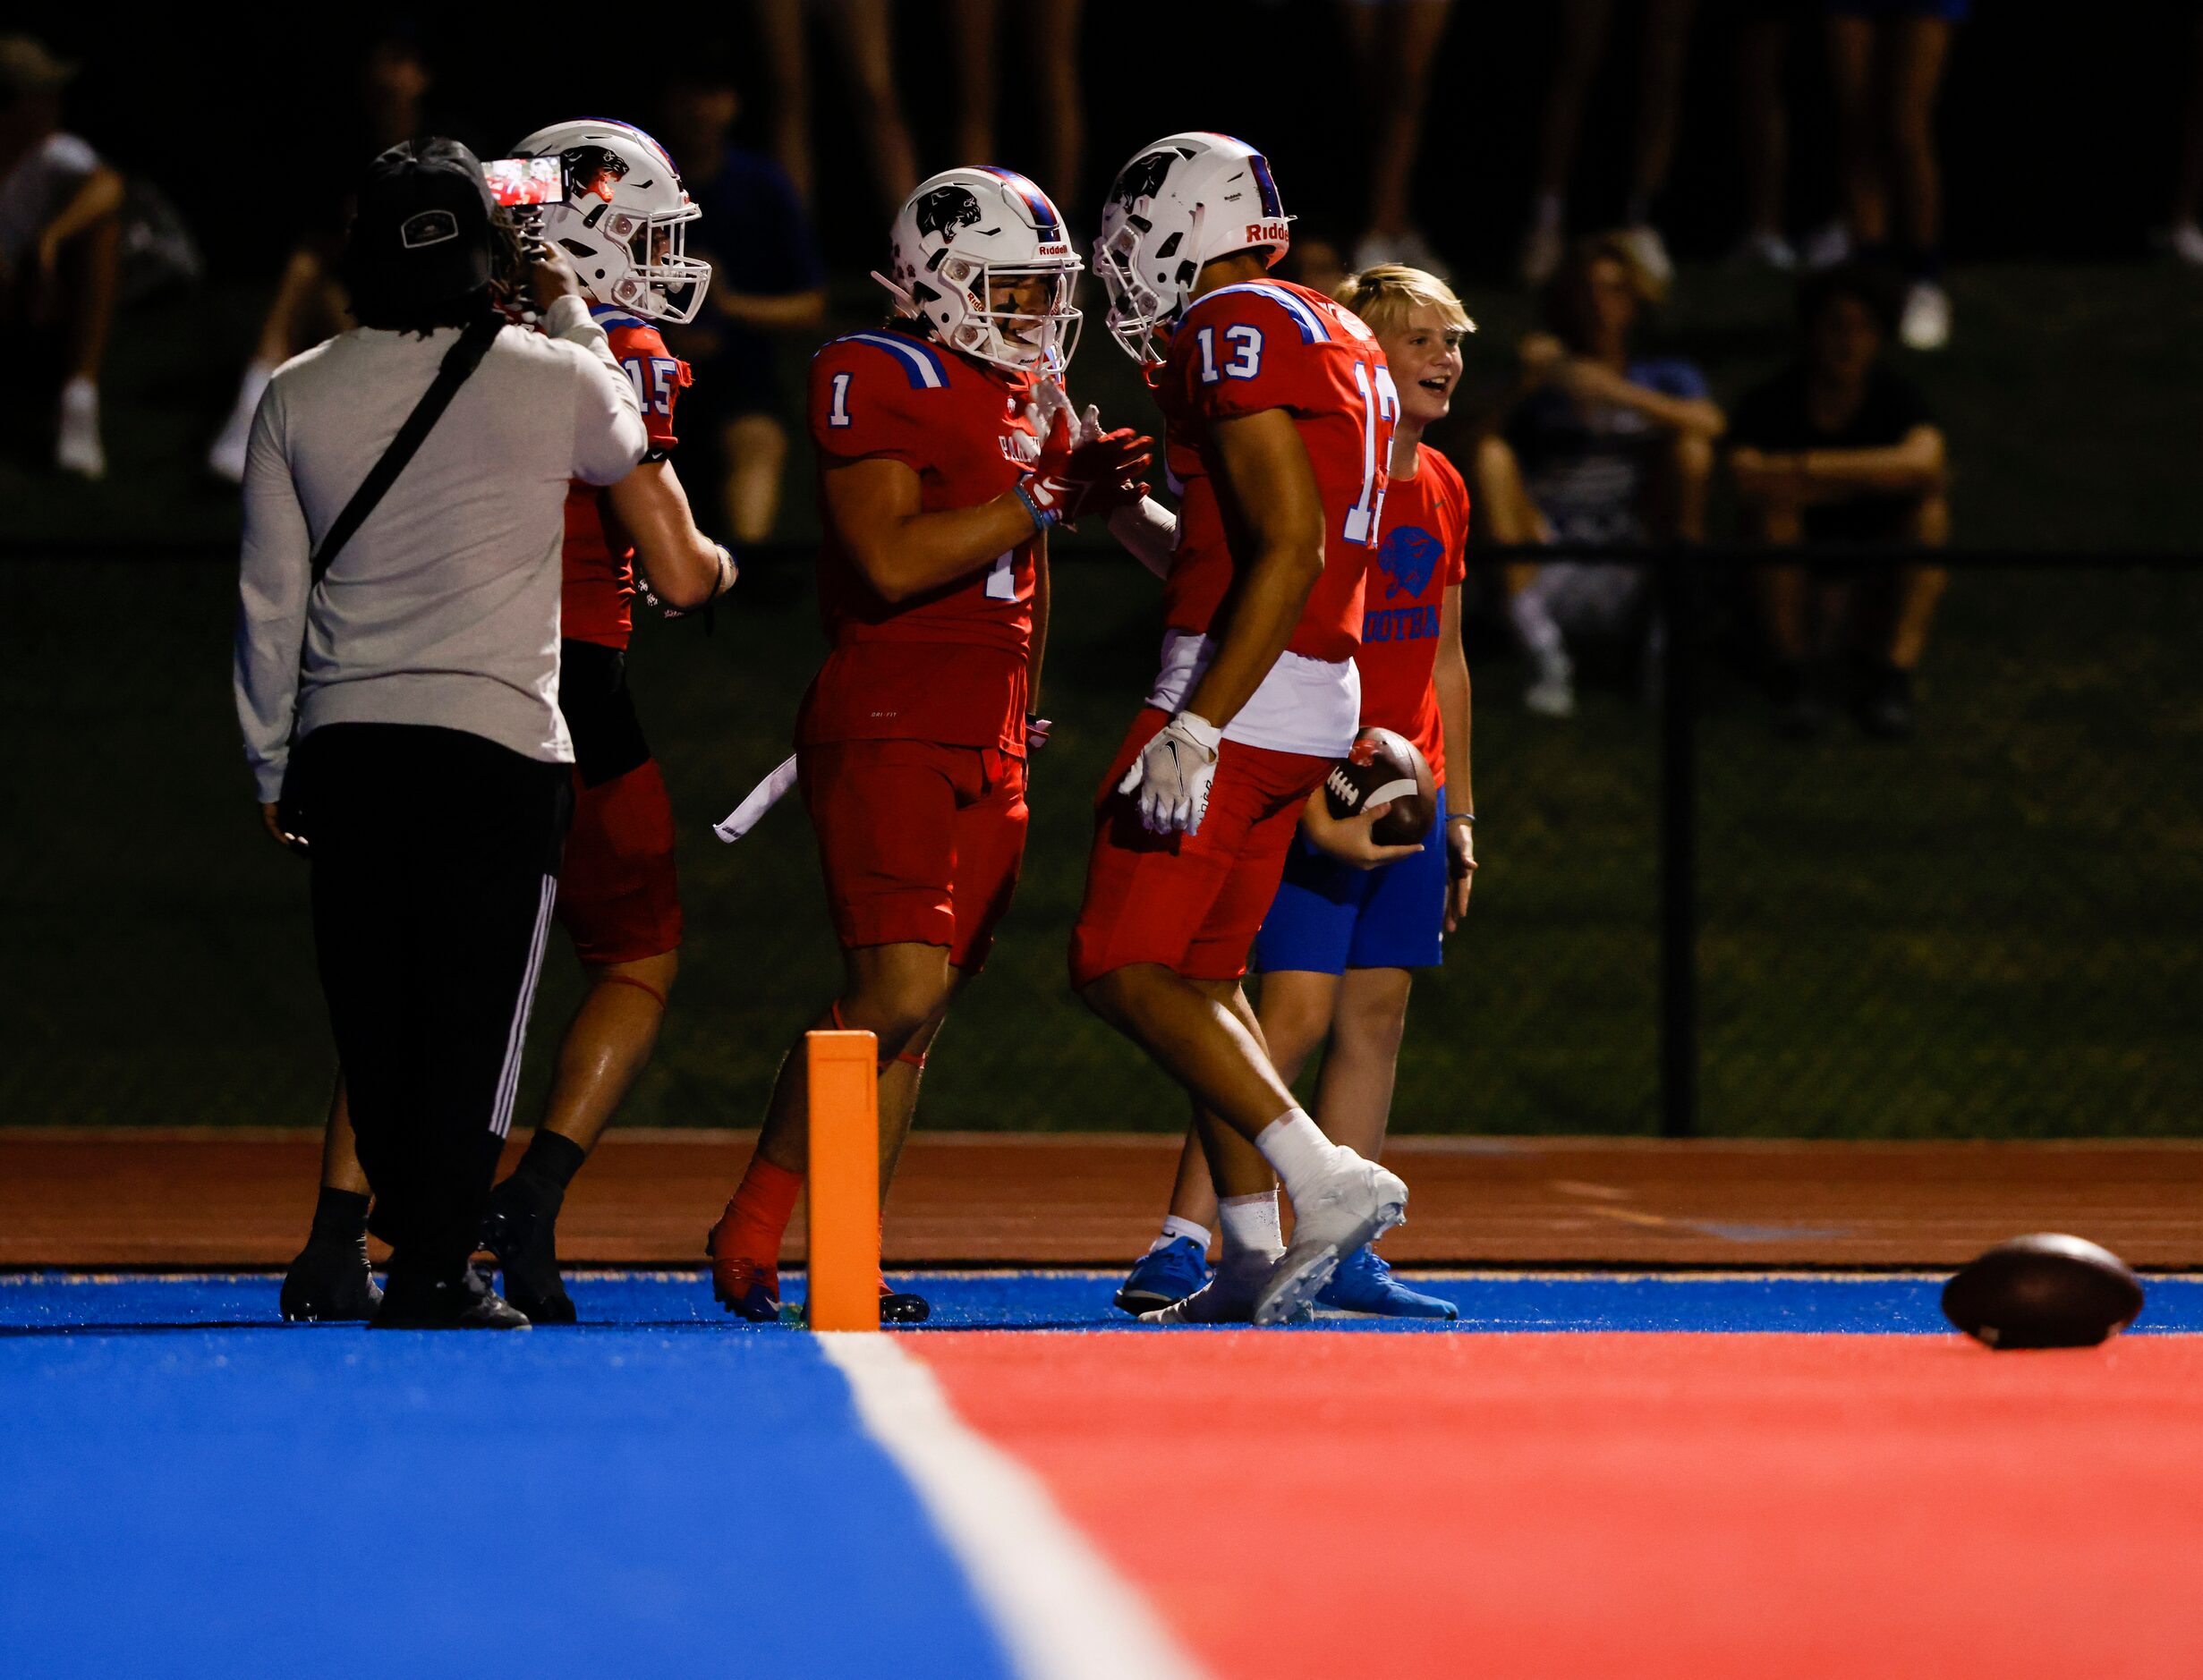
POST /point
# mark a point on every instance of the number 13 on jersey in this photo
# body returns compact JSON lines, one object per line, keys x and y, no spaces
{"x":1380,"y":411}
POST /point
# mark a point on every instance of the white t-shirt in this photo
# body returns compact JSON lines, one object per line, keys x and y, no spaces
{"x":1311,"y":706}
{"x":36,"y":189}
{"x":443,"y":608}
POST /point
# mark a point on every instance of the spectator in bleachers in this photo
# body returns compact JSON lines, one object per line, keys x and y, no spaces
{"x":1584,"y":25}
{"x":1051,"y":108}
{"x":1841,"y":448}
{"x":1395,"y":47}
{"x":1886,"y":60}
{"x":1598,"y":446}
{"x":1760,"y":41}
{"x":863,"y":29}
{"x":309,"y":304}
{"x":60,"y":242}
{"x":767,"y":281}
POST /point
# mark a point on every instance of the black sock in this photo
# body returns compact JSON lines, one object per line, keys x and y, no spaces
{"x":339,"y":1216}
{"x":548,"y":1168}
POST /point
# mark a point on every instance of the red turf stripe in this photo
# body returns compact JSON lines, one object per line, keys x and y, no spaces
{"x":1638,"y":1505}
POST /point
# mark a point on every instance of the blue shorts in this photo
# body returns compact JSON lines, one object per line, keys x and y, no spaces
{"x":1329,"y":916}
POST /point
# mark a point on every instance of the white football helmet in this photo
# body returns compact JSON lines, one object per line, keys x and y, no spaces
{"x":624,"y":219}
{"x":1179,"y":204}
{"x":966,"y":228}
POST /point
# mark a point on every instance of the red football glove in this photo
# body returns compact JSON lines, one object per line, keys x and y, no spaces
{"x":1072,"y":479}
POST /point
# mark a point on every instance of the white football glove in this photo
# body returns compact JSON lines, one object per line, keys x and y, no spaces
{"x":1049,"y":399}
{"x":1173,"y":774}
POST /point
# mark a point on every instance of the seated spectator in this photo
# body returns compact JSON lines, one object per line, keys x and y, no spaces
{"x":1597,"y":447}
{"x":60,"y":242}
{"x":766,"y":279}
{"x":309,"y":305}
{"x":1841,"y":448}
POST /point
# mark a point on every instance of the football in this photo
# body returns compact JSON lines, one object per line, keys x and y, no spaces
{"x":1385,"y":766}
{"x":2045,"y":1291}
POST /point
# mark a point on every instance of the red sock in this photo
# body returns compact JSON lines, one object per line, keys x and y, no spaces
{"x":758,"y":1216}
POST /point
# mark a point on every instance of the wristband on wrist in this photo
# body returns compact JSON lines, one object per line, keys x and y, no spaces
{"x":1468,"y":817}
{"x":1040,"y":521}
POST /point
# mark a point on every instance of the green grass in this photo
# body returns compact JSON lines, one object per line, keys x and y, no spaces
{"x":1990,"y":931}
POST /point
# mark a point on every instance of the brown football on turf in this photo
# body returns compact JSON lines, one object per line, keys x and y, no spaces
{"x":1385,"y":766}
{"x":2044,"y":1291}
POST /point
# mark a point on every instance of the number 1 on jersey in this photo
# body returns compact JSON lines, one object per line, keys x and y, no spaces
{"x":1380,"y":409}
{"x":838,"y":414}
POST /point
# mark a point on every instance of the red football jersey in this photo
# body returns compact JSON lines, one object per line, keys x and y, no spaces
{"x":599,"y":576}
{"x":1265,"y":344}
{"x":950,"y":665}
{"x":1423,"y":554}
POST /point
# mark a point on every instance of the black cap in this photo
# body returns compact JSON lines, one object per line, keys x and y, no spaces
{"x":421,"y":234}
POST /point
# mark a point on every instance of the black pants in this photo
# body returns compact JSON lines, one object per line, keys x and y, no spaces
{"x":434,"y":865}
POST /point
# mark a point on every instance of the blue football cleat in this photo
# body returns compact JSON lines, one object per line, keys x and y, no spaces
{"x":1163,"y":1277}
{"x":1364,"y":1285}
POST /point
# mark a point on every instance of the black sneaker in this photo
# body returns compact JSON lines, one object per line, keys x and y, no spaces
{"x":1800,"y":714}
{"x":464,"y":1302}
{"x":1885,"y":703}
{"x":899,"y":1306}
{"x":522,"y":1235}
{"x":330,"y":1282}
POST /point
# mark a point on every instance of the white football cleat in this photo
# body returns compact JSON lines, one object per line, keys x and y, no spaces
{"x":1229,"y":1297}
{"x":1355,"y":1205}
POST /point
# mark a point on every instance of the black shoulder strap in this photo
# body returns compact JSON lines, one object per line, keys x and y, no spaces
{"x":458,"y":366}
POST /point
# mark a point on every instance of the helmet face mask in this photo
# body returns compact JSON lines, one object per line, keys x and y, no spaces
{"x":1179,"y":205}
{"x":624,"y":219}
{"x":980,"y":256}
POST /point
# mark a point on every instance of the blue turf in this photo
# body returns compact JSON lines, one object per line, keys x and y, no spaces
{"x":325,"y":1501}
{"x":1904,"y":1304}
{"x":189,"y":1487}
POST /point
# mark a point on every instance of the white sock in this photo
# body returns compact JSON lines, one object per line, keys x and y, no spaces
{"x":1250,"y":1224}
{"x":1533,"y":620}
{"x":1547,"y":212}
{"x":1297,"y":1152}
{"x":1175,"y":1227}
{"x":79,"y":403}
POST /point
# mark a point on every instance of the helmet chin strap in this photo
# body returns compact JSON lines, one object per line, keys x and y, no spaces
{"x":904,"y":300}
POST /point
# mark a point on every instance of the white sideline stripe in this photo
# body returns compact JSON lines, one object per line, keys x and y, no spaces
{"x":516,"y":1035}
{"x":1061,"y":1610}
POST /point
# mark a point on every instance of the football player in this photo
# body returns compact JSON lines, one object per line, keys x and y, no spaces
{"x":621,"y":220}
{"x":939,"y":476}
{"x":1281,"y":411}
{"x":1352,"y":918}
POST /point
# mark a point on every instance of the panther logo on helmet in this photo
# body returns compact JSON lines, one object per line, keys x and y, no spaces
{"x":592,"y":169}
{"x":945,"y":209}
{"x":1140,"y":178}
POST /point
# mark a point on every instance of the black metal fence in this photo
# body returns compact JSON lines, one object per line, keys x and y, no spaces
{"x":1684,"y":922}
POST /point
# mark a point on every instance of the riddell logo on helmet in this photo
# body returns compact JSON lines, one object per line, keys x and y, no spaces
{"x":1262,"y":232}
{"x":1055,"y":251}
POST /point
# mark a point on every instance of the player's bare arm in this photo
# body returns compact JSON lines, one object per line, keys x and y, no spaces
{"x":1450,"y":674}
{"x":685,"y":568}
{"x":875,"y":510}
{"x":1269,"y":488}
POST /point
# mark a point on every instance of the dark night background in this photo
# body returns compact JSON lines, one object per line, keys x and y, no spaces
{"x":2058,"y":122}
